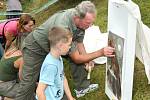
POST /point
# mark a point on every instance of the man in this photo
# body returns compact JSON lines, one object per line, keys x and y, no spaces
{"x":36,"y":47}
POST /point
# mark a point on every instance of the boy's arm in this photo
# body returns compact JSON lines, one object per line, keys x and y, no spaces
{"x":40,"y":91}
{"x":67,"y":89}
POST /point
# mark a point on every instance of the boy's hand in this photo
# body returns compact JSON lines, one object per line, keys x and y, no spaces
{"x":72,"y":98}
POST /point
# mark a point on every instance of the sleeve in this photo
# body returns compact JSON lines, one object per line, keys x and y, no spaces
{"x":73,"y":47}
{"x":80,"y":37}
{"x":13,"y":29}
{"x":48,"y":74}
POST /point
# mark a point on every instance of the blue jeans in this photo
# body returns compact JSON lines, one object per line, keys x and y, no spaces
{"x":1,"y":51}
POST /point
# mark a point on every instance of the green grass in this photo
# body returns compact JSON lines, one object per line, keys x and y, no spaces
{"x":141,"y":90}
{"x":2,"y":8}
{"x":140,"y":87}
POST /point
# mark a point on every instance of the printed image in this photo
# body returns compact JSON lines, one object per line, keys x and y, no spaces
{"x":114,"y":65}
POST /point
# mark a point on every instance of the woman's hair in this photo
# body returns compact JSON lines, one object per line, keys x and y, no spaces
{"x":57,"y":34}
{"x":24,"y":20}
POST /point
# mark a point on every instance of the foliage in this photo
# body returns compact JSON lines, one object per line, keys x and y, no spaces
{"x":140,"y":88}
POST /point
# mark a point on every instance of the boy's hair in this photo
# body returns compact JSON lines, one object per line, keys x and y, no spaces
{"x":57,"y":34}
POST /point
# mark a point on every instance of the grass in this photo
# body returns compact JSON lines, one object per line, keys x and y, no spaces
{"x":140,"y":87}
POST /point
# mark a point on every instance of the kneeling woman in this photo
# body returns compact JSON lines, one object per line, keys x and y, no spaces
{"x":10,"y":65}
{"x":12,"y":61}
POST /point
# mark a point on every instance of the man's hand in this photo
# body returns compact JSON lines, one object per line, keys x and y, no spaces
{"x":91,"y":64}
{"x":108,"y":51}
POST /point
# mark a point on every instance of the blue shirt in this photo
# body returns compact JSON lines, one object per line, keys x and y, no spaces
{"x":52,"y":74}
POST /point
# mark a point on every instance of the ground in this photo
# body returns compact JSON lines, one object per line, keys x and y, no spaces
{"x":140,"y":87}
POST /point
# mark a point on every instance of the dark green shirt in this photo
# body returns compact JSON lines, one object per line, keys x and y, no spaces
{"x":7,"y":70}
{"x":64,"y":19}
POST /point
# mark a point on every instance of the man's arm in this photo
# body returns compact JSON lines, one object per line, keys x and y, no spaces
{"x":67,"y":89}
{"x":84,"y":58}
{"x":40,"y":91}
{"x":81,"y":48}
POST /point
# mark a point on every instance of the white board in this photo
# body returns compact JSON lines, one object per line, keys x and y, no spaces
{"x":122,"y":33}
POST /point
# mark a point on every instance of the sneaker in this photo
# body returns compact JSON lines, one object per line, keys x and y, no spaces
{"x":79,"y":93}
{"x":89,"y":89}
{"x":1,"y":98}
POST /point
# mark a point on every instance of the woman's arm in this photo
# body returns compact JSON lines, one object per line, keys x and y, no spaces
{"x":19,"y":64}
{"x":40,"y":91}
{"x":9,"y":37}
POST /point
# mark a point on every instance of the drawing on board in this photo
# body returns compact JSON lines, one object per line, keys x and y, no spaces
{"x":114,"y":65}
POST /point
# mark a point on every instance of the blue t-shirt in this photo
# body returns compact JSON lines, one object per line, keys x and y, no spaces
{"x":52,"y":74}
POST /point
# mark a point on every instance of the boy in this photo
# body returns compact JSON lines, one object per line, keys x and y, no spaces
{"x":52,"y":81}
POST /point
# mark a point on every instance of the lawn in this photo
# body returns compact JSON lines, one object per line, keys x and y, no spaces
{"x":141,"y":90}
